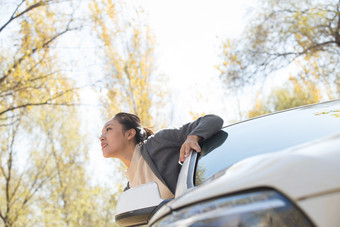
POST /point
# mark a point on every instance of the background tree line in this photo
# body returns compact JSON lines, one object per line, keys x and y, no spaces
{"x":44,"y":150}
{"x":300,"y":39}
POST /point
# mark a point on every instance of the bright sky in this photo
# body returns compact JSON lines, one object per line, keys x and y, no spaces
{"x":189,"y":35}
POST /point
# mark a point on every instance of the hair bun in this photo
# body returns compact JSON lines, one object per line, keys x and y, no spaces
{"x":148,"y":131}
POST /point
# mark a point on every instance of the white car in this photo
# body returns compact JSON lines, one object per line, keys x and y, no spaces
{"x":280,"y":169}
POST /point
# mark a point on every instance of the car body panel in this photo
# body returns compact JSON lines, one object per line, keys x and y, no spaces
{"x":323,"y":209}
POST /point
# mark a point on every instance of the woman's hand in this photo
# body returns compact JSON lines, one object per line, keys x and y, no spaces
{"x":191,"y":143}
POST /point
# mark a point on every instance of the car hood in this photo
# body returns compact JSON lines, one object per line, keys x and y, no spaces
{"x":301,"y":172}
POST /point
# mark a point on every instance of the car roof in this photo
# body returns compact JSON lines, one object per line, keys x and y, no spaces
{"x":309,"y":106}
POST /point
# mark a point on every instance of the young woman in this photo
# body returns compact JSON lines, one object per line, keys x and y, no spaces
{"x":154,"y":157}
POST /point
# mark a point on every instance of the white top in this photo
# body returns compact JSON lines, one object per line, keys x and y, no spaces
{"x":140,"y":173}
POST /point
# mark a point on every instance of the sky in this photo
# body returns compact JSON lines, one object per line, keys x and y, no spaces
{"x":188,"y":36}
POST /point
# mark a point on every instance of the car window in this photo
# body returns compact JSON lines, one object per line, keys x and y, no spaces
{"x":266,"y":134}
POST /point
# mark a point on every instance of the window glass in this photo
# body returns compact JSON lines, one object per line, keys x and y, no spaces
{"x":266,"y":134}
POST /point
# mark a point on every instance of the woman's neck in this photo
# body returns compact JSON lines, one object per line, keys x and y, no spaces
{"x":127,"y":154}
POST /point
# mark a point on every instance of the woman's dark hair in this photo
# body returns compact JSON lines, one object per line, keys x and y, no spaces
{"x":132,"y":121}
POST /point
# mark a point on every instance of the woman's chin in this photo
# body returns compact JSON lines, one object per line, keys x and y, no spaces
{"x":107,"y":155}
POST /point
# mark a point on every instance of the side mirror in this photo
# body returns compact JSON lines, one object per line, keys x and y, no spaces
{"x":136,"y":205}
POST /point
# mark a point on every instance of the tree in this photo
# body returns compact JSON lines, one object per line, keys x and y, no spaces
{"x":30,"y":74}
{"x":43,"y":153}
{"x":46,"y":182}
{"x":295,"y":93}
{"x":30,"y":77}
{"x":68,"y":199}
{"x":128,"y":53}
{"x":303,"y":36}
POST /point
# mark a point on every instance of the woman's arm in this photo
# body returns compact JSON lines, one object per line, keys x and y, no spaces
{"x":197,"y":131}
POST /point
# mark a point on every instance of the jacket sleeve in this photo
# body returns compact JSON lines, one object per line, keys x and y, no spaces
{"x":161,"y":151}
{"x":204,"y":127}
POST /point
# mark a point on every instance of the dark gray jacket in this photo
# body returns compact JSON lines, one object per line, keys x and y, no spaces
{"x":161,"y":151}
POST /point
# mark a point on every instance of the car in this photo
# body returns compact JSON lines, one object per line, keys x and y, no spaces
{"x":280,"y":169}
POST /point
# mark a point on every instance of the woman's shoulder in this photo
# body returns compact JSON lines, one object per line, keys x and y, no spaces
{"x":163,"y":137}
{"x":165,"y":133}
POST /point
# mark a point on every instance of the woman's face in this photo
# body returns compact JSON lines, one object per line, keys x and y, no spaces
{"x":113,"y":139}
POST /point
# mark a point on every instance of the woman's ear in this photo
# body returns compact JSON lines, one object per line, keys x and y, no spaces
{"x":131,"y":133}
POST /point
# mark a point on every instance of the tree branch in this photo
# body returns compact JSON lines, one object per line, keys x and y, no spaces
{"x":130,"y":90}
{"x":39,"y":104}
{"x":13,"y":17}
{"x":26,"y":55}
{"x":16,"y":87}
{"x":33,"y":187}
{"x":46,"y":102}
{"x":3,"y":171}
{"x":28,"y":198}
{"x":1,"y":216}
{"x":297,"y":54}
{"x":16,"y":188}
{"x":9,"y":176}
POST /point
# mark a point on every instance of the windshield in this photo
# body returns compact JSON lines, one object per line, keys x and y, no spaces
{"x":266,"y":134}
